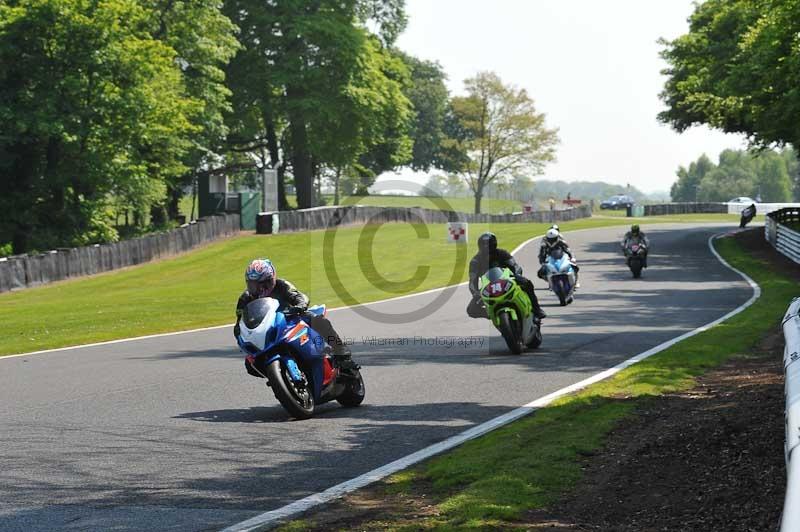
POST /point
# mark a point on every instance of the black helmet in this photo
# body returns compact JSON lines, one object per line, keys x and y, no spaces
{"x":487,"y":243}
{"x":635,"y":229}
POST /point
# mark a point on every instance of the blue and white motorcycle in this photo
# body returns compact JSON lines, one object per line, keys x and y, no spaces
{"x":561,"y":275}
{"x":294,"y":359}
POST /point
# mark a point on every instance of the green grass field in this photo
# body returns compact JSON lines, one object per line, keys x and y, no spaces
{"x":490,"y":482}
{"x":200,"y":288}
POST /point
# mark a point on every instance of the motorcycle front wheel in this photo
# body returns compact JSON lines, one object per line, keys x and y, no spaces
{"x":636,"y":267}
{"x":509,"y":330}
{"x":297,"y":399}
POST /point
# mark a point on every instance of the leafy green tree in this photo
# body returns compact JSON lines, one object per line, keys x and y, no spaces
{"x":685,"y":188}
{"x":318,"y":78}
{"x":92,"y":104}
{"x":736,"y":70}
{"x":498,"y":129}
{"x":772,"y":178}
{"x":429,"y":97}
{"x":763,"y":174}
{"x":204,"y":40}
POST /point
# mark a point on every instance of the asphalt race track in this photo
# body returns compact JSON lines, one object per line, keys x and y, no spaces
{"x":170,"y":433}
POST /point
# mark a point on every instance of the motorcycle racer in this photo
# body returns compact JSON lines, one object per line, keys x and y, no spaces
{"x":636,"y":236}
{"x":552,"y":239}
{"x":262,"y":281}
{"x":490,"y":256}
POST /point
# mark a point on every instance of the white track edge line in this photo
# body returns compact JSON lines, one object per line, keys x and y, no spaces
{"x":274,"y":517}
{"x":213,"y":327}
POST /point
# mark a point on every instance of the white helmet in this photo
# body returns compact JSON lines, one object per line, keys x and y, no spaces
{"x":552,"y":235}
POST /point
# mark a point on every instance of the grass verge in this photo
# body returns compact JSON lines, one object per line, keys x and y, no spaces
{"x":199,"y":289}
{"x":490,"y":482}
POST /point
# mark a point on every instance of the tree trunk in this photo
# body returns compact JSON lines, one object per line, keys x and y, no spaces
{"x":194,"y":199}
{"x":478,"y":197}
{"x":336,"y":185}
{"x":301,"y":165}
{"x":174,"y":195}
{"x":275,"y":160}
{"x":301,"y":155}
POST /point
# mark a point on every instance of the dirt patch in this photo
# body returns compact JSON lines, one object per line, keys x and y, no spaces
{"x":710,"y":458}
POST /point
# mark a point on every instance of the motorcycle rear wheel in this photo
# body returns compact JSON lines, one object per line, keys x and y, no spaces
{"x":508,"y":329}
{"x":354,"y":394}
{"x":299,"y":403}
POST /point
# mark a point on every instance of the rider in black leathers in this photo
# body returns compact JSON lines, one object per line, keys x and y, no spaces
{"x":489,"y":256}
{"x":291,"y":301}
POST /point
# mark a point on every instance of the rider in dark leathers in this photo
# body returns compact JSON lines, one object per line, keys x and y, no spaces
{"x":489,"y":256}
{"x":262,"y":282}
{"x":635,"y":236}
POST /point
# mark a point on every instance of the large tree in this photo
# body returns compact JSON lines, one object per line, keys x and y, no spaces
{"x":325,"y":89}
{"x":91,"y":103}
{"x":429,"y":96}
{"x":688,"y":183}
{"x":204,"y":40}
{"x":737,"y":70}
{"x":500,"y":132}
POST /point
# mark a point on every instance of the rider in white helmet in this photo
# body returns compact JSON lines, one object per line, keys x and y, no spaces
{"x":553,"y":239}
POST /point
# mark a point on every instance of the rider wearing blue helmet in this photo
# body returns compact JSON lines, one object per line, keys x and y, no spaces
{"x":262,"y":281}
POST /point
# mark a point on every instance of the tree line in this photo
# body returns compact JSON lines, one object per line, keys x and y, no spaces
{"x":736,"y":71}
{"x":764,"y":176}
{"x":122,"y":105}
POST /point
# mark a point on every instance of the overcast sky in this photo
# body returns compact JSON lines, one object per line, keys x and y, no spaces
{"x":592,"y":67}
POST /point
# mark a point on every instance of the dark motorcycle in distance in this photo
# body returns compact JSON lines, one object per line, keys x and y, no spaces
{"x":748,"y":213}
{"x":294,"y":359}
{"x":637,"y":258}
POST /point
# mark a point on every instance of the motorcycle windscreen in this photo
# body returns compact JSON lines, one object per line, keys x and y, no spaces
{"x":494,"y":274}
{"x":259,"y":310}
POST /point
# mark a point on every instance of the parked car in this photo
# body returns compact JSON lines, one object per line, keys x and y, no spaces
{"x":620,"y":201}
{"x":743,"y":200}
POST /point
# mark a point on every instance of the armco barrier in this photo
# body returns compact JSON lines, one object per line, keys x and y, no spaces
{"x":782,"y":237}
{"x":24,"y":271}
{"x":325,"y":217}
{"x":790,"y":521}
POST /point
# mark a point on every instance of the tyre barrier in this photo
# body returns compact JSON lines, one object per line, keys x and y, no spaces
{"x":328,"y":217}
{"x":24,"y":271}
{"x":790,"y":520}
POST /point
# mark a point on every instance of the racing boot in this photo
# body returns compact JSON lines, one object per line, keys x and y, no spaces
{"x":538,"y":311}
{"x":344,"y":358}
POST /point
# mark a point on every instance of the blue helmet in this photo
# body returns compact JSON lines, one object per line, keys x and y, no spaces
{"x":260,"y":277}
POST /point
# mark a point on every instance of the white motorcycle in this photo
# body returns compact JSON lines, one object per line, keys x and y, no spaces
{"x":561,"y":275}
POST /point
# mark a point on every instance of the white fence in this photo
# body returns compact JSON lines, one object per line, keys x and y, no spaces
{"x":783,"y":238}
{"x":790,"y":521}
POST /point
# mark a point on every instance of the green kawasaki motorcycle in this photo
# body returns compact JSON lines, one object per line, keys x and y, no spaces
{"x":509,"y":308}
